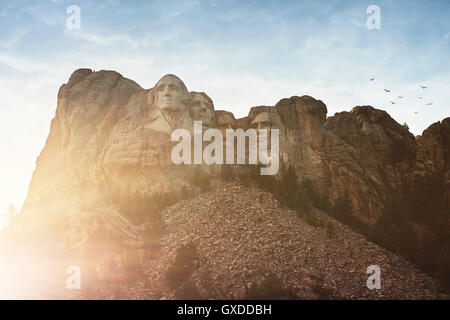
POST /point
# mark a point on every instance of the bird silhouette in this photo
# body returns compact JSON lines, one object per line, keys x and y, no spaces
{"x":392,"y":102}
{"x":415,"y":112}
{"x":371,"y":79}
{"x":400,"y":97}
{"x":387,"y":90}
{"x":420,"y":97}
{"x":423,"y":87}
{"x":429,"y":104}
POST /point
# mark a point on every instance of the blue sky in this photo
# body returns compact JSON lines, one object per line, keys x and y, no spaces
{"x":241,"y":53}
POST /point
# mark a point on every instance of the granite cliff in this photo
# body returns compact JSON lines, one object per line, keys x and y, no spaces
{"x":111,"y":137}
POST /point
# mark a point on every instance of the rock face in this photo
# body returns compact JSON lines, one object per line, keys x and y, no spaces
{"x":109,"y":136}
{"x":434,"y":148}
{"x":374,"y":135}
{"x":434,"y":145}
{"x":384,"y":151}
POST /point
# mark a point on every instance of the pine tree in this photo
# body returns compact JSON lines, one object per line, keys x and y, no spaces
{"x":289,"y":187}
{"x":342,"y":209}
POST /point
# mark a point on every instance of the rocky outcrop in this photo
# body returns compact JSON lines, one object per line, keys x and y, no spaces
{"x":89,"y":106}
{"x":434,"y":148}
{"x":434,"y":145}
{"x":374,"y":135}
{"x":111,"y":137}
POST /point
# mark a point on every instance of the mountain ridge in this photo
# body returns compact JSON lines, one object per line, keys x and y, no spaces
{"x":110,"y":139}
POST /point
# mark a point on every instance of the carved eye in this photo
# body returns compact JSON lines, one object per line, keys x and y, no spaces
{"x":173,"y":87}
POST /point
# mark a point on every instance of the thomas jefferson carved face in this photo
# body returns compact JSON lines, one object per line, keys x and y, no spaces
{"x":170,"y":92}
{"x":201,"y":109}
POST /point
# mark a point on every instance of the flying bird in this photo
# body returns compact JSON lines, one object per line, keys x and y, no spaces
{"x":401,"y":97}
{"x":392,"y":102}
{"x":429,"y":104}
{"x":423,"y":87}
{"x":387,"y":90}
{"x":415,"y":112}
{"x":420,"y":97}
{"x":371,"y":79}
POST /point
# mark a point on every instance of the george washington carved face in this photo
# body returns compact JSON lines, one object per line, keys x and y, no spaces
{"x":169,"y":94}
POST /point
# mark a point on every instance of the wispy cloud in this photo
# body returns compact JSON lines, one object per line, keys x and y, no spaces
{"x":447,"y":36}
{"x":15,"y":39}
{"x":21,"y":64}
{"x":149,"y":40}
{"x":43,"y":14}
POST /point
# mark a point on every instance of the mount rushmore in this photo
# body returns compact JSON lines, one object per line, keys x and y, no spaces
{"x":111,"y":139}
{"x":110,"y":134}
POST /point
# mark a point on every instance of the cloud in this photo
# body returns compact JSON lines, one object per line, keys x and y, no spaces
{"x":15,"y":39}
{"x":21,"y":64}
{"x":174,"y":14}
{"x":149,"y":40}
{"x":43,"y":14}
{"x":108,"y":40}
{"x":447,"y":36}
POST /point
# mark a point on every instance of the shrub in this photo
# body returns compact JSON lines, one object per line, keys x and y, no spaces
{"x":269,"y":289}
{"x":426,"y":198}
{"x":226,"y":173}
{"x":311,"y":219}
{"x":342,"y":209}
{"x":131,"y":264}
{"x":179,"y":273}
{"x":322,"y":292}
{"x":139,"y":207}
{"x":265,"y":182}
{"x":308,"y":195}
{"x":153,"y":231}
{"x":188,"y":291}
{"x":185,"y":192}
{"x":443,"y":265}
{"x":331,"y":233}
{"x":201,"y":179}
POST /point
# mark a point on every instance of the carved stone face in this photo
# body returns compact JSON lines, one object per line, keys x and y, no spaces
{"x":170,"y":92}
{"x":262,"y":121}
{"x":200,"y":109}
{"x":224,"y":119}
